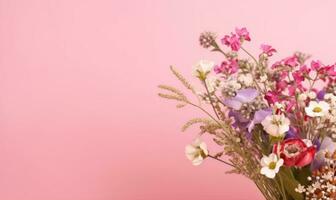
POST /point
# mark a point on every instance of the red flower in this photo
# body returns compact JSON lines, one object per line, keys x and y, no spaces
{"x":295,"y":152}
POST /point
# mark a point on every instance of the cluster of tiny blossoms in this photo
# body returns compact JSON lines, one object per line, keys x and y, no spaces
{"x":323,"y":181}
{"x":274,"y":119}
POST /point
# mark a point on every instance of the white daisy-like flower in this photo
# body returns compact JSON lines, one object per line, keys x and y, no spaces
{"x":317,"y":109}
{"x":202,"y":69}
{"x":276,"y":125}
{"x":271,"y":165}
{"x":196,"y":152}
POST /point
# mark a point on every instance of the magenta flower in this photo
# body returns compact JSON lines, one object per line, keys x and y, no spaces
{"x":316,"y":65}
{"x":291,"y":61}
{"x":232,"y":41}
{"x":267,"y":49}
{"x":272,"y":97}
{"x":243,"y":34}
{"x":330,"y":70}
{"x":230,"y":67}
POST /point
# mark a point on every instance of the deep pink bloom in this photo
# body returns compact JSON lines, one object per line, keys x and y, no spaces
{"x":267,"y":49}
{"x":290,"y":105}
{"x":330,"y":70}
{"x":298,"y":76}
{"x":243,"y":34}
{"x":291,"y":61}
{"x":272,"y":97}
{"x":291,"y":90}
{"x":295,"y":152}
{"x":304,"y":69}
{"x":316,"y":65}
{"x":281,"y":85}
{"x":226,"y":67}
{"x":276,"y":64}
{"x":232,"y":41}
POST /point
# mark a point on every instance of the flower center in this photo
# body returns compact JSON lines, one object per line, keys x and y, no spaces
{"x":292,"y":150}
{"x":200,"y":152}
{"x":317,"y":109}
{"x":272,"y":165}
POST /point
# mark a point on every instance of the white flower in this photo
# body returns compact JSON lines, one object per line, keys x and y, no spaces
{"x":276,"y":125}
{"x":246,"y":79}
{"x":196,"y":152}
{"x":300,"y":188}
{"x":302,"y":97}
{"x":270,"y":165}
{"x":308,"y":142}
{"x":202,"y":69}
{"x":234,"y":84}
{"x":317,"y":109}
{"x":212,"y":83}
{"x":312,"y":95}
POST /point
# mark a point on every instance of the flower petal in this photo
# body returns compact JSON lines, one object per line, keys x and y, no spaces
{"x":246,"y":95}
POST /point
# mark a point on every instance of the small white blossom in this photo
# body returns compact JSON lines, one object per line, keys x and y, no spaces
{"x":302,"y":97}
{"x":263,"y":78}
{"x":211,"y":83}
{"x":300,"y":189}
{"x":276,"y":125}
{"x":202,"y":69}
{"x":271,"y":165}
{"x":196,"y":152}
{"x":312,"y":95}
{"x":246,"y":79}
{"x":317,"y":109}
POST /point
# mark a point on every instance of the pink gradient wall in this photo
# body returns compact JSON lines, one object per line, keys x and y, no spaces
{"x":80,"y":119}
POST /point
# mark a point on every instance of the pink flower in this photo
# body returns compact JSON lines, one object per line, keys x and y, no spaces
{"x":276,"y":64}
{"x":243,"y":34}
{"x":298,"y":76}
{"x":232,"y":41}
{"x":295,"y":152}
{"x":291,"y":61}
{"x":267,"y":49}
{"x":281,"y":85}
{"x":271,"y":97}
{"x":230,"y":67}
{"x":330,"y":70}
{"x":316,"y":65}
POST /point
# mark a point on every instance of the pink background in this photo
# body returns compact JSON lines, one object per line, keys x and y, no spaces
{"x":80,"y":119}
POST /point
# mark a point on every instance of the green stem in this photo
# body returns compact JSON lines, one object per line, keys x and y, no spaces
{"x":220,"y":160}
{"x":283,"y":188}
{"x":211,"y":102}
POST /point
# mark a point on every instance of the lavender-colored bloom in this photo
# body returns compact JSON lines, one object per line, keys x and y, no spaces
{"x":242,"y":96}
{"x":292,"y":133}
{"x":327,"y":144}
{"x":320,"y":95}
{"x":259,"y":116}
{"x":240,"y":121}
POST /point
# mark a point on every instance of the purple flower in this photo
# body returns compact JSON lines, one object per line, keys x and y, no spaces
{"x":292,"y":133}
{"x":242,"y":96}
{"x":320,"y":95}
{"x":240,"y":121}
{"x":258,"y":117}
{"x":327,"y":144}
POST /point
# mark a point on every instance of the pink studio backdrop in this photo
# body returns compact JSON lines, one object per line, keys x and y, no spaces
{"x":80,"y":119}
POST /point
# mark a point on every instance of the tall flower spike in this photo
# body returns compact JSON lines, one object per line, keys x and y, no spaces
{"x":207,"y":39}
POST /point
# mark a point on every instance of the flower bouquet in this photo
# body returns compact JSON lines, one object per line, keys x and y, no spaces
{"x":275,"y":123}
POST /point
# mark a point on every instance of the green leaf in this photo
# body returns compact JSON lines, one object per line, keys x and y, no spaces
{"x":301,"y":174}
{"x":290,"y":183}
